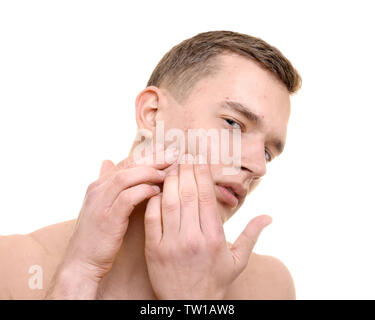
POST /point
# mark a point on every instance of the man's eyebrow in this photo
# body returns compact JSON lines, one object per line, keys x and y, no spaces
{"x":278,"y":145}
{"x":248,"y":114}
{"x":240,"y":108}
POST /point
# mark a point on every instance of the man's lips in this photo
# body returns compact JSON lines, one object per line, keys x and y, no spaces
{"x":226,"y":196}
{"x":223,"y":195}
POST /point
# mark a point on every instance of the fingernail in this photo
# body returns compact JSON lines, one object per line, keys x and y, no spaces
{"x":159,"y":147}
{"x":268,"y":221}
{"x":171,"y":155}
{"x":156,"y":188}
{"x":162,"y":173}
{"x":189,"y":158}
{"x":199,"y":159}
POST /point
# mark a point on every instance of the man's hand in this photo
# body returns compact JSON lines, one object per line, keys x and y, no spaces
{"x":102,"y":224}
{"x":186,"y":251}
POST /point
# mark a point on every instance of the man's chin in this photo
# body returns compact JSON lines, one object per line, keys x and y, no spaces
{"x":225,"y":211}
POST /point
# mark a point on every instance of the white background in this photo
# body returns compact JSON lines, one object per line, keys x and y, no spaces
{"x":69,"y":75}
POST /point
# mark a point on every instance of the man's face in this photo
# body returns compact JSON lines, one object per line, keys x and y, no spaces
{"x":258,"y":94}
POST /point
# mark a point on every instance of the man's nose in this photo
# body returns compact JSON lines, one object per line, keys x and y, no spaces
{"x":253,"y":160}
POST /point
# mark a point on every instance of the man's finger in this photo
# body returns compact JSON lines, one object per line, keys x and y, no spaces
{"x":246,"y":241}
{"x":208,"y":214}
{"x":188,"y":196}
{"x":106,"y":167}
{"x":123,"y":179}
{"x":153,"y":223}
{"x":128,"y":199}
{"x":169,"y":156}
{"x":159,"y":159}
{"x":171,"y":203}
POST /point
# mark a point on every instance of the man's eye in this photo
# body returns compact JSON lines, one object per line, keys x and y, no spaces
{"x":268,"y":155}
{"x":233,"y":123}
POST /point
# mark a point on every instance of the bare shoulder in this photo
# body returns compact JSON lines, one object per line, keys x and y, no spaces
{"x":28,"y":261}
{"x":264,"y":278}
{"x":54,"y":238}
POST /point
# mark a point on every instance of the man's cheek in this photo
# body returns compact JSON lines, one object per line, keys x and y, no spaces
{"x":254,"y":184}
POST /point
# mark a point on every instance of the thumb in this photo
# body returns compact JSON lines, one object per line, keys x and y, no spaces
{"x":246,"y":241}
{"x":107,"y":165}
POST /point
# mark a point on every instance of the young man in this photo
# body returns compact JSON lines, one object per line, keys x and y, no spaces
{"x":132,"y":241}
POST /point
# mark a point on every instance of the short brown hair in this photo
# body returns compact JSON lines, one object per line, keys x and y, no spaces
{"x":192,"y":59}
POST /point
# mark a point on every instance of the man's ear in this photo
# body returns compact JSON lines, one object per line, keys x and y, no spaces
{"x":146,"y":107}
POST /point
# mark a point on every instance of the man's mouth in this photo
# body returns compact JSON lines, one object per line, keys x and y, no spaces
{"x":230,"y":194}
{"x":227,"y":195}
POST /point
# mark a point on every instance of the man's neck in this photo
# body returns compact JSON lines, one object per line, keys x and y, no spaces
{"x":128,"y":278}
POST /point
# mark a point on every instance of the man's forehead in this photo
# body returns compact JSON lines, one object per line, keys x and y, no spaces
{"x":244,"y":82}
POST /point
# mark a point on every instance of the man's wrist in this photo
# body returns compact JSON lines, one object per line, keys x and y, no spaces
{"x":72,"y":282}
